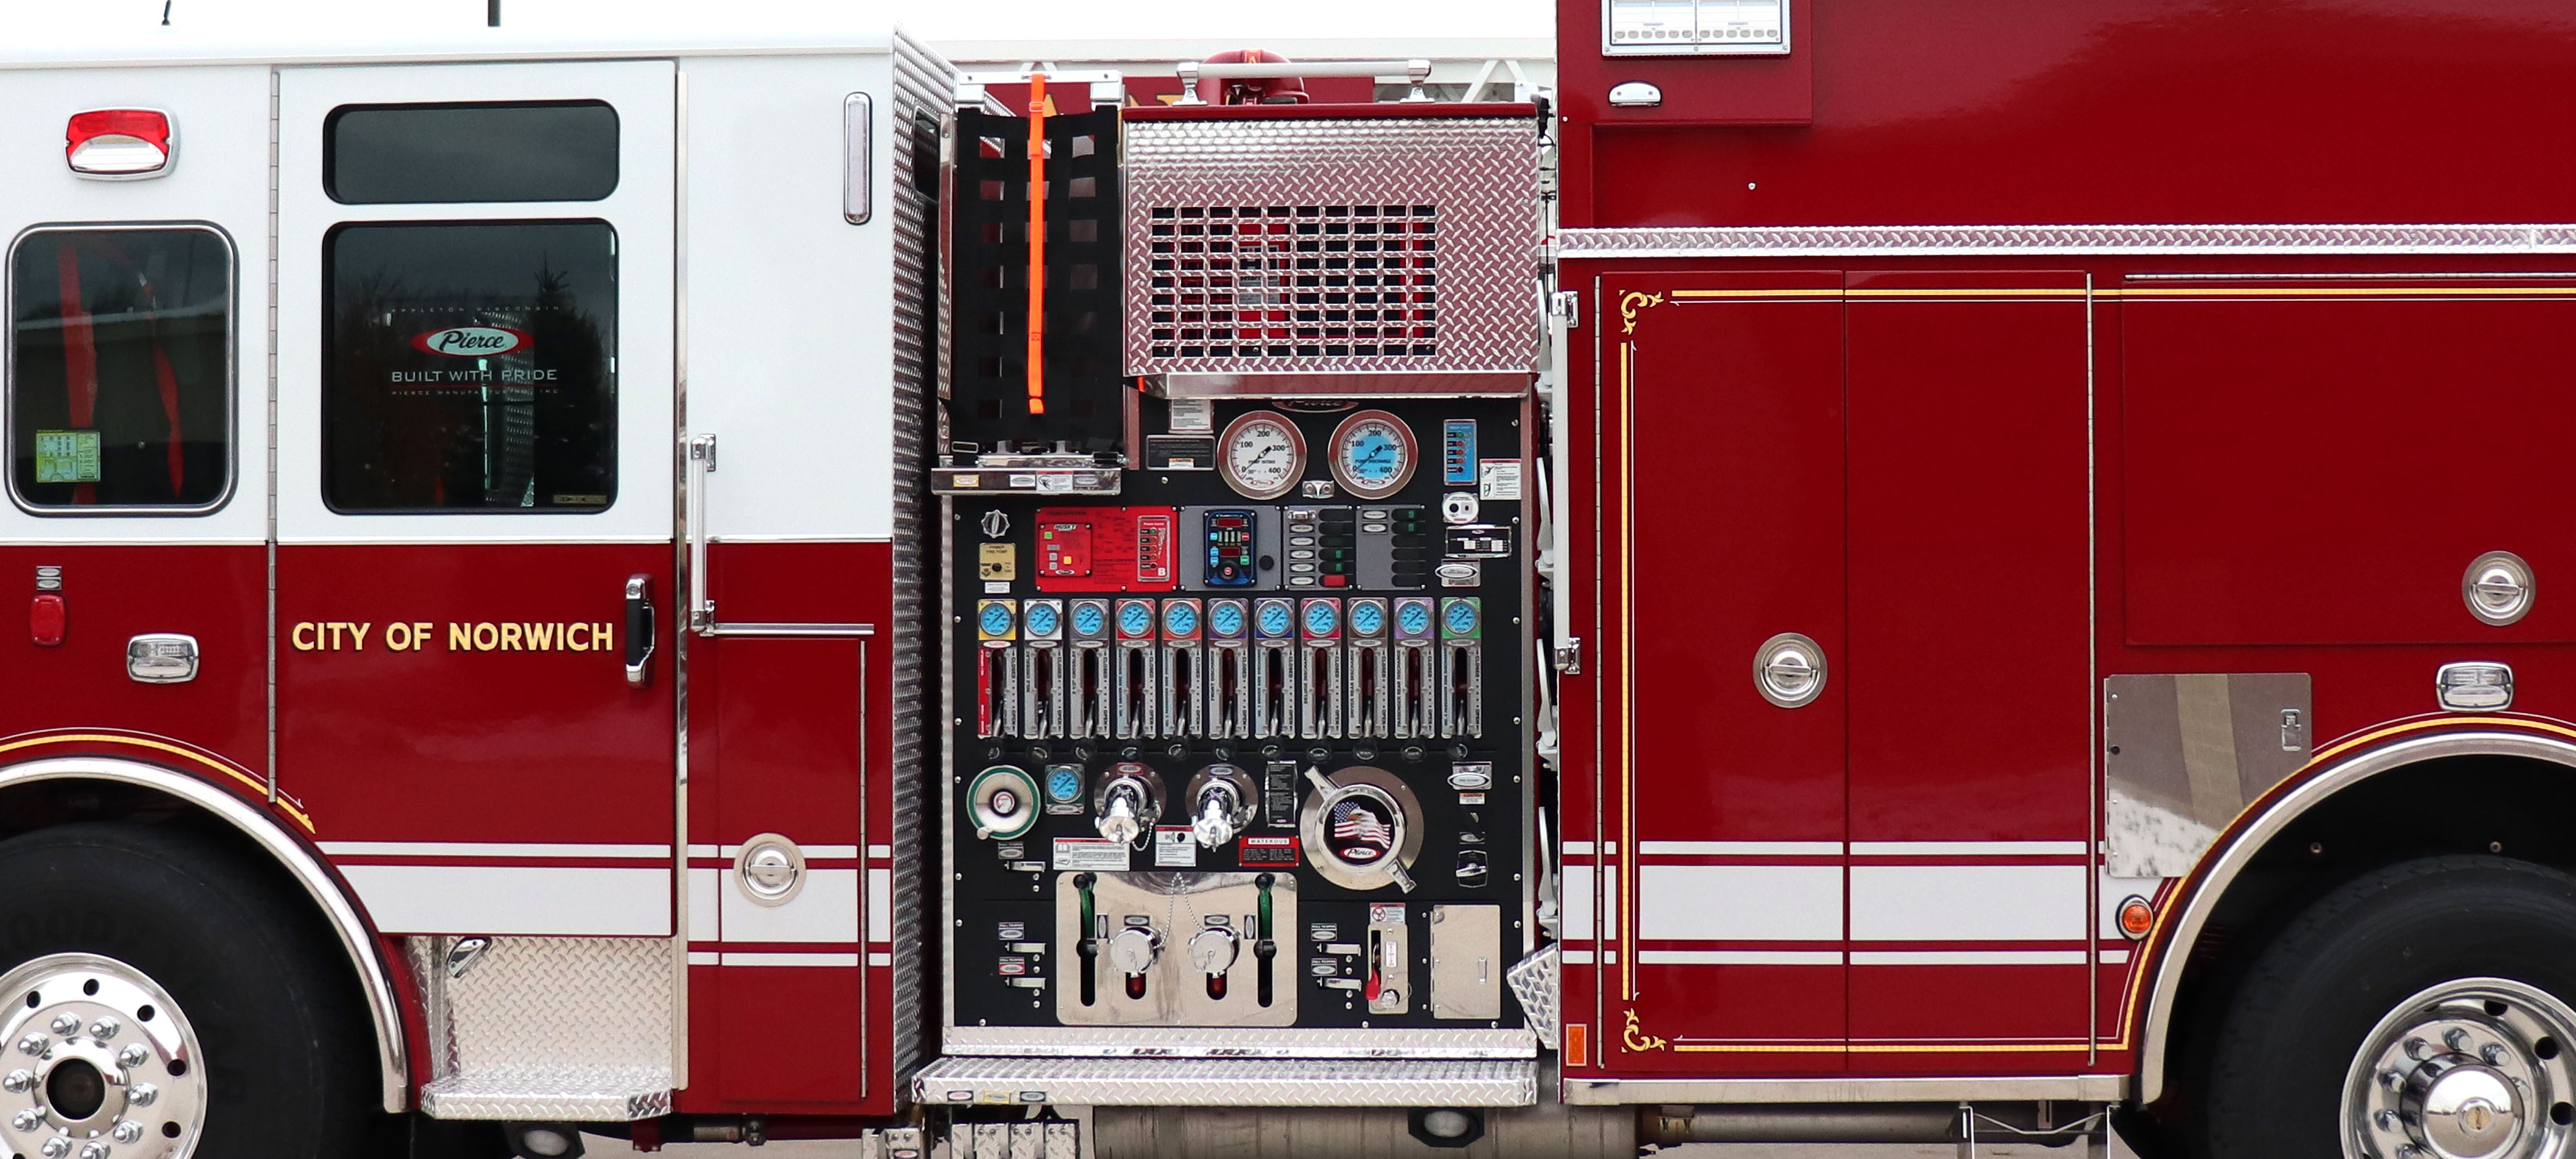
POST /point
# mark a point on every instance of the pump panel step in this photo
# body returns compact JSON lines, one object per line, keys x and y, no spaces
{"x":1302,"y":1082}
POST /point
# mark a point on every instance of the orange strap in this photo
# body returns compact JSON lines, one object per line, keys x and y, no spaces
{"x":80,"y":357}
{"x":1037,"y":243}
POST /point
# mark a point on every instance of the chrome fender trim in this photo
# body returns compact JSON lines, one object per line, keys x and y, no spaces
{"x":356,"y":939}
{"x":2219,"y":869}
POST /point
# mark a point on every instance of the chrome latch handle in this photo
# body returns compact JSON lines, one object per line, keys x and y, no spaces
{"x":639,"y":630}
{"x":1789,"y":670}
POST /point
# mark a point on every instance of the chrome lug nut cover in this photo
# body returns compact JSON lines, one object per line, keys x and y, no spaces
{"x":55,"y":1148}
{"x":94,"y":1150}
{"x":19,"y":1082}
{"x":35,"y":1044}
{"x":133,"y":1056}
{"x":127,"y":1131}
{"x":105,"y":1029}
{"x":141,"y":1094}
{"x":29,"y":1119}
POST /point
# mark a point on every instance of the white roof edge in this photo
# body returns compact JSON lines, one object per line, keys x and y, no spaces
{"x":1144,"y":49}
{"x":199,"y":51}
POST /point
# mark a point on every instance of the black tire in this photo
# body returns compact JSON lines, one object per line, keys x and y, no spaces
{"x":2276,"y":1074}
{"x":288,"y":1061}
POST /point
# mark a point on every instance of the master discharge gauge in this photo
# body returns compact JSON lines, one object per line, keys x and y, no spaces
{"x":1261,"y":455}
{"x":1373,"y":454}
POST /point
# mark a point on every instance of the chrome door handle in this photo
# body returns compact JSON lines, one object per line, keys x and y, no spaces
{"x":639,"y":630}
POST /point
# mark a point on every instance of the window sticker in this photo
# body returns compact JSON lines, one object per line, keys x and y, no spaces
{"x":67,"y":456}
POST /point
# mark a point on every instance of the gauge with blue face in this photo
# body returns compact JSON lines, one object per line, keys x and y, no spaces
{"x":1180,"y":619}
{"x":1087,"y":619}
{"x":1367,"y":619}
{"x":1064,"y":784}
{"x":1320,"y":619}
{"x":1461,"y":618}
{"x":1373,"y":454}
{"x":1134,"y":619}
{"x":1413,"y":619}
{"x":1275,"y":620}
{"x":1042,"y":619}
{"x":995,"y":619}
{"x":1226,"y":619}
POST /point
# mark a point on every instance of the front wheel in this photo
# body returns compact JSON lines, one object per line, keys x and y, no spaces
{"x":161,"y":998}
{"x":2420,"y":1012}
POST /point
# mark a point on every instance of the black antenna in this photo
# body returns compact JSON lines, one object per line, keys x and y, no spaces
{"x":165,"y":13}
{"x":491,"y":13}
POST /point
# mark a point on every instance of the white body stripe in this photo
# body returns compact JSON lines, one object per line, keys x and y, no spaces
{"x":880,"y":905}
{"x":825,"y":910}
{"x":706,"y":891}
{"x":492,"y":899}
{"x":1739,"y":957}
{"x":1940,"y":903}
{"x":731,"y":958}
{"x":1967,"y":849}
{"x":1967,"y":957}
{"x":1577,"y":900}
{"x":489,"y":849}
{"x":1740,"y":902}
{"x":1741,"y":848}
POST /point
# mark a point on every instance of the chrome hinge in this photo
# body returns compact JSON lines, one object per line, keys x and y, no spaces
{"x":703,"y":449}
{"x":1567,"y":306}
{"x":1569,"y":656}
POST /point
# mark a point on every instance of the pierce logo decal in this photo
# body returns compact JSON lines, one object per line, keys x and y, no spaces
{"x":470,"y":341}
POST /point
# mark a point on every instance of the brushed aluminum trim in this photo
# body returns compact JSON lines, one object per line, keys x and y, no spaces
{"x":2090,"y":1088}
{"x":1975,"y":240}
{"x":356,"y":940}
{"x":2216,"y":874}
{"x":1168,"y":1042}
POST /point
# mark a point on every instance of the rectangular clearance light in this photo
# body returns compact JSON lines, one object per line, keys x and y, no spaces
{"x":120,"y":144}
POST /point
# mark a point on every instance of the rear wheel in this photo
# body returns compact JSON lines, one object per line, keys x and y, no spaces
{"x":162,"y":999}
{"x":2420,"y":1012}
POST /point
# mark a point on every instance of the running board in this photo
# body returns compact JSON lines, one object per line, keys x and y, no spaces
{"x":1228,"y":1082}
{"x":553,"y":1094}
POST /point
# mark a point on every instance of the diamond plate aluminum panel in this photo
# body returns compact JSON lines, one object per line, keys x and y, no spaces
{"x":1533,"y":983}
{"x":579,"y":1025}
{"x":1967,"y":240}
{"x":1320,"y":246}
{"x":1280,"y":1042}
{"x":1230,"y":1082}
{"x":564,"y":1094}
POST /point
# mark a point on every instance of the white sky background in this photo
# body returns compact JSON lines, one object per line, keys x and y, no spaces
{"x":1001,"y":25}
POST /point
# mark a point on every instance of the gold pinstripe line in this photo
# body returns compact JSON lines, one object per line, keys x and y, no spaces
{"x":256,"y":786}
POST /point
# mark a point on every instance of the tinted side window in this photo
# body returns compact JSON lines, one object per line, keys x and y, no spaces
{"x":120,"y":369}
{"x":415,"y":154}
{"x":470,"y":366}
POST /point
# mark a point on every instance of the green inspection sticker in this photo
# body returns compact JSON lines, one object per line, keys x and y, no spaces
{"x":67,"y":456}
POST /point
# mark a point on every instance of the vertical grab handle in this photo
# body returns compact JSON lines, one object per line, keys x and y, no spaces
{"x":698,"y":610}
{"x":639,"y":630}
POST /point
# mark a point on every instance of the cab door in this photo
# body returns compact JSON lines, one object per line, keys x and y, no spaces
{"x":475,"y":473}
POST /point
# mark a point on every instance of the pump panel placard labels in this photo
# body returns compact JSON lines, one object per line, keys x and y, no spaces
{"x":1092,"y":853}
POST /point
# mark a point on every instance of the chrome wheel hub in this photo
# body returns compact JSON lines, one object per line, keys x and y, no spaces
{"x":96,"y":1062}
{"x":2480,"y":1068}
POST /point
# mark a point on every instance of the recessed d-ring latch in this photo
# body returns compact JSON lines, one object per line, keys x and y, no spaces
{"x":2498,"y":588}
{"x":771,"y":869}
{"x":1789,"y":670}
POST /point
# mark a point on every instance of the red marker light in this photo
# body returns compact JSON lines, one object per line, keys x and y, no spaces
{"x":119,"y":143}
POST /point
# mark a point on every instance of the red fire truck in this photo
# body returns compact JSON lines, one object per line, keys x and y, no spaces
{"x":1858,"y":571}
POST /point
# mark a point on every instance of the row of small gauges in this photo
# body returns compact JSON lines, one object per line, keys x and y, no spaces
{"x":1272,"y":618}
{"x":1262,"y":456}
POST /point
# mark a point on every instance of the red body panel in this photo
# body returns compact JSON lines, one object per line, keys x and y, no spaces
{"x":437,"y":743}
{"x":793,"y":736}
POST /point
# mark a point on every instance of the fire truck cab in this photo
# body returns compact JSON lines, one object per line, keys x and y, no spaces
{"x":1847,"y":572}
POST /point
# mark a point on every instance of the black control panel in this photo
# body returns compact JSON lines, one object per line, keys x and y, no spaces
{"x":1242,"y":743}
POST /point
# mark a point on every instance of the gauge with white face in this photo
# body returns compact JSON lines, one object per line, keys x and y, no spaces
{"x":1373,"y":454}
{"x":1261,"y":455}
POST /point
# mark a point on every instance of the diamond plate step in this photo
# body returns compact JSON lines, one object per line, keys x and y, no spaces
{"x":562,"y":1094}
{"x":1230,"y":1082}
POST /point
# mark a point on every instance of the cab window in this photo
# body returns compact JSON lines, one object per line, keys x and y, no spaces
{"x":470,"y":366}
{"x":435,"y":153}
{"x":120,"y":370}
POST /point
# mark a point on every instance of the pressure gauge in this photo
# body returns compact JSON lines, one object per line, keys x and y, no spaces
{"x":1088,"y":619}
{"x":1373,"y":454}
{"x":1261,"y":455}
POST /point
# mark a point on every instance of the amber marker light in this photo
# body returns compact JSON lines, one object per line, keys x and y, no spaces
{"x":2136,"y":917}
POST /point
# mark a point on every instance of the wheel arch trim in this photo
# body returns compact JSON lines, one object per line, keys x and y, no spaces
{"x":357,"y":939}
{"x":2207,"y":884}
